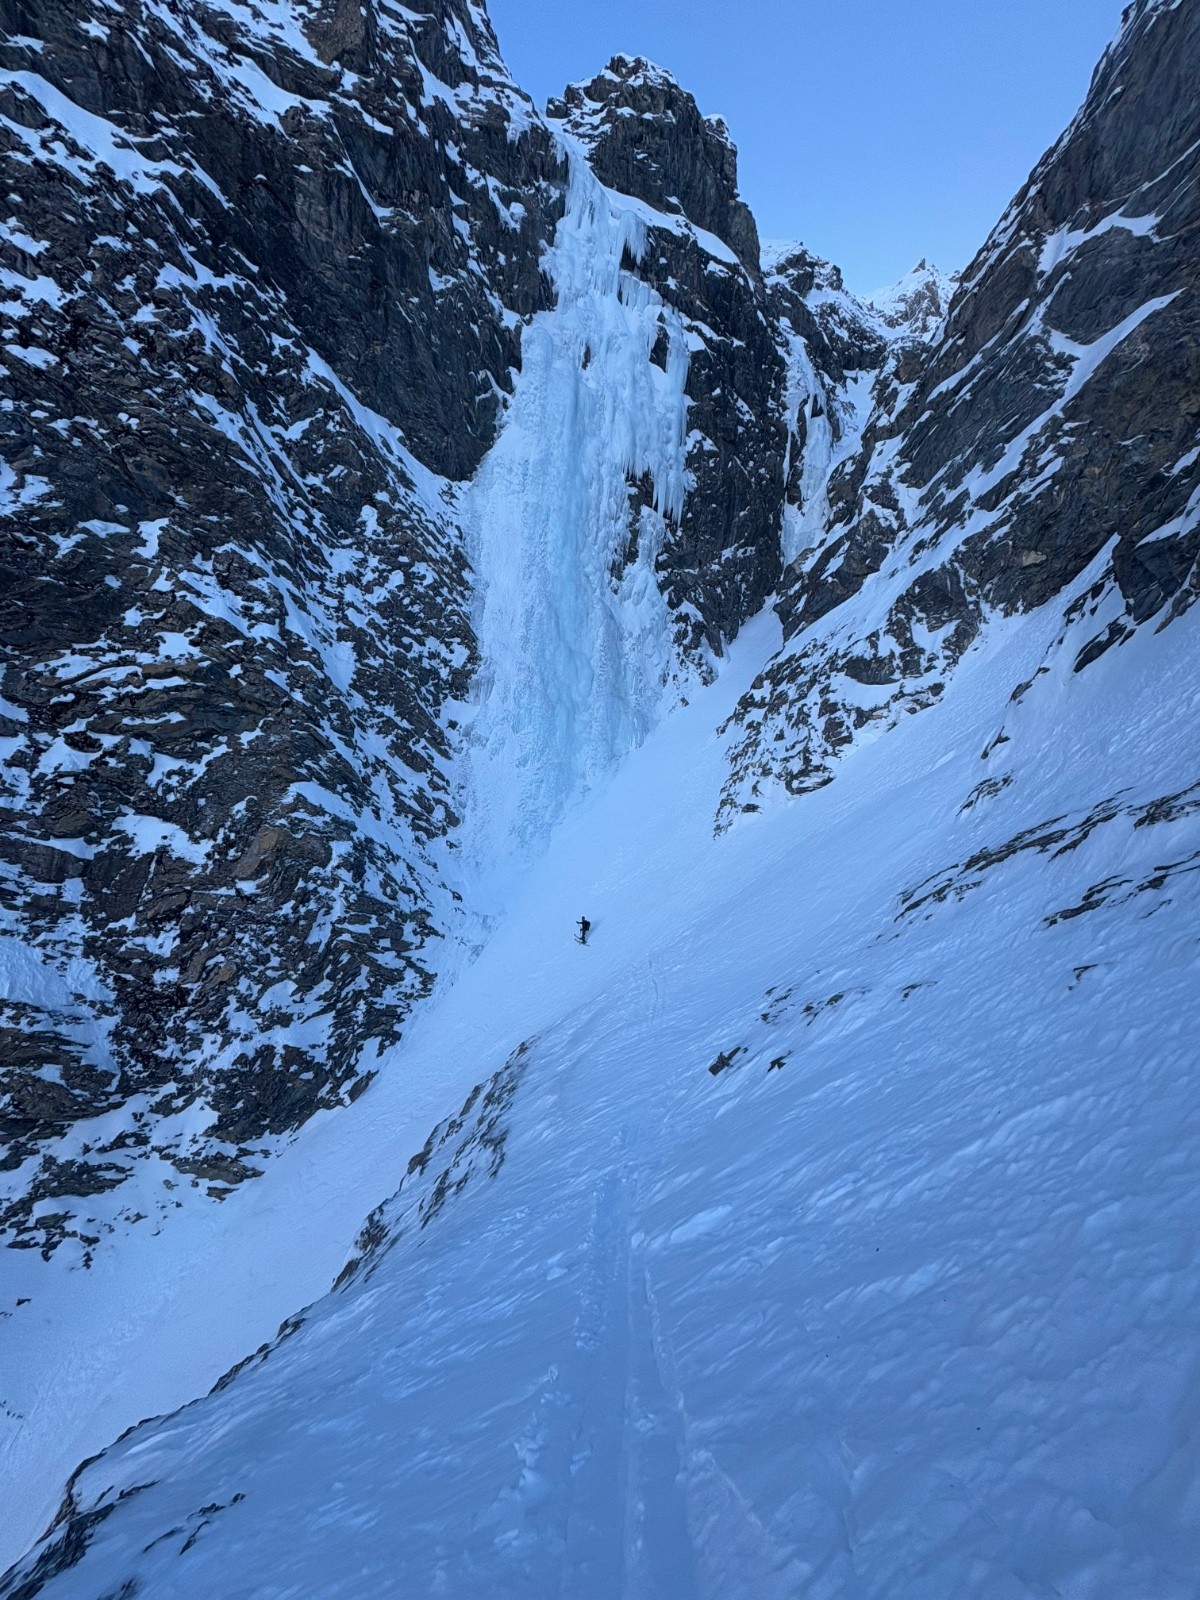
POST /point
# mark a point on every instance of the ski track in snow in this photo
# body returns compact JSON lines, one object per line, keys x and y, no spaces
{"x":846,"y":1240}
{"x":578,"y":669}
{"x":914,"y":1313}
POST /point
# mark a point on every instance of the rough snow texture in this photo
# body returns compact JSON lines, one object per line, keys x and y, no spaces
{"x":825,"y":1228}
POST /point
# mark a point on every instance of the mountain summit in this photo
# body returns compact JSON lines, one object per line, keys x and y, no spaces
{"x":645,"y":136}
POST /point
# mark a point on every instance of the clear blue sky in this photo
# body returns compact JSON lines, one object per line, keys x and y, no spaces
{"x":877,"y":131}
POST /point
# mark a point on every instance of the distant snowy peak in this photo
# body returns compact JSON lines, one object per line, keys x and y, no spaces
{"x":916,"y":305}
{"x":912,"y":308}
{"x":646,"y":136}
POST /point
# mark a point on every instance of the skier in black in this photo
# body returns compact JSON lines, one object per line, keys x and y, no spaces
{"x":584,"y":930}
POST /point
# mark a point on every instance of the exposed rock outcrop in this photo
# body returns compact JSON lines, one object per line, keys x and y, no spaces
{"x":1053,"y":420}
{"x":644,"y":136}
{"x":916,"y":305}
{"x":260,"y":282}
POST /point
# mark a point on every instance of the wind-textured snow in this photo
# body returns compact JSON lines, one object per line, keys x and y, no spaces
{"x":843,"y":1236}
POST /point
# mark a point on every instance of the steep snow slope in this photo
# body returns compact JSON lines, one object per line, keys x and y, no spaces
{"x":823,"y":1227}
{"x":580,"y":661}
{"x":830,"y":1230}
{"x":85,"y":1354}
{"x":565,"y":524}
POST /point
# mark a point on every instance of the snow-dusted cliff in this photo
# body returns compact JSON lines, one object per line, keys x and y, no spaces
{"x":277,"y":610}
{"x":428,"y":519}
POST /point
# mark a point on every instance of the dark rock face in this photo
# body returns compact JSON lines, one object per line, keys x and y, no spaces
{"x":265,"y":275}
{"x":265,"y":281}
{"x":326,"y":169}
{"x":1093,"y":270}
{"x":1055,"y":419}
{"x":646,"y":137}
{"x":248,"y":273}
{"x":832,"y":346}
{"x":722,"y":561}
{"x":841,"y":334}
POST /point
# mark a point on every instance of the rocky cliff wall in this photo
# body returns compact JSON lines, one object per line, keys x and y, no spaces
{"x":1051,"y":424}
{"x":267,"y":274}
{"x":264,"y":278}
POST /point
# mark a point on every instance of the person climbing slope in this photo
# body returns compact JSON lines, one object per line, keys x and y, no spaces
{"x":584,"y":929}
